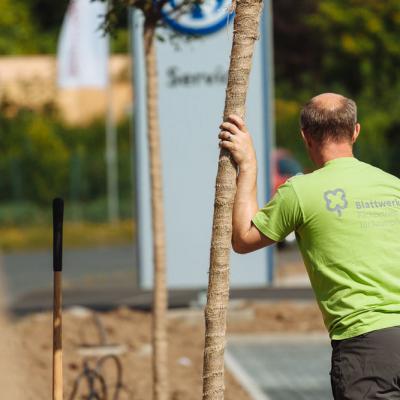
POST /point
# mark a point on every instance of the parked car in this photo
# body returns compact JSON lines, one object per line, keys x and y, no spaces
{"x":284,"y":166}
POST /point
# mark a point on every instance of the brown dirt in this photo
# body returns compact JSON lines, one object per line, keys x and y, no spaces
{"x":132,"y":329}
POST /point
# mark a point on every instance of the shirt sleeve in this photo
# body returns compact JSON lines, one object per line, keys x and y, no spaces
{"x":281,"y":215}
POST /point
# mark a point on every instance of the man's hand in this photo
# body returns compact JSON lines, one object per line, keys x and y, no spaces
{"x":236,"y":139}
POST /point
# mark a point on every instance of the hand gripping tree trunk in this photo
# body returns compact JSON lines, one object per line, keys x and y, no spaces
{"x":160,"y":367}
{"x":245,"y":34}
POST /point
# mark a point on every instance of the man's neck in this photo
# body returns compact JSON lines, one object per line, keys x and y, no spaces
{"x":330,"y":151}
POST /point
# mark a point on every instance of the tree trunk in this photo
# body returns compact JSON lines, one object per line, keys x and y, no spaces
{"x":245,"y":34}
{"x":160,"y":345}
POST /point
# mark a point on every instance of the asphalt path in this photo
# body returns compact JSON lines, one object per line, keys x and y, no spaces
{"x":106,"y":277}
{"x":101,"y":268}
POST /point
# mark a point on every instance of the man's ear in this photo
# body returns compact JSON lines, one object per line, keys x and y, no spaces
{"x":357,"y":131}
{"x":306,"y":140}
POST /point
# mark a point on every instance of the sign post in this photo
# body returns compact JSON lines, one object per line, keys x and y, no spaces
{"x":192,"y":81}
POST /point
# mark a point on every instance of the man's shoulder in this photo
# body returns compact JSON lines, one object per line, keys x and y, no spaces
{"x":304,"y":180}
{"x":294,"y":181}
{"x":321,"y":174}
{"x":299,"y":185}
{"x":371,"y":169}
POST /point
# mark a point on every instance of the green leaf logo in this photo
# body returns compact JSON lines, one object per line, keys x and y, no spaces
{"x":336,"y":201}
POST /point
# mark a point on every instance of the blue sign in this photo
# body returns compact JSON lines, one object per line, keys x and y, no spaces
{"x":203,"y":19}
{"x":192,"y":83}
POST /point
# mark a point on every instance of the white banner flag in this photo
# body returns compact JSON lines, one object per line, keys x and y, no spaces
{"x":82,"y":48}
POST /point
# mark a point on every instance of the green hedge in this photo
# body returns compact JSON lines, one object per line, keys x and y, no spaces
{"x":42,"y":158}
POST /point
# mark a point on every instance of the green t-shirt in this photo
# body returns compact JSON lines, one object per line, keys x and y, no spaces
{"x":346,"y":216}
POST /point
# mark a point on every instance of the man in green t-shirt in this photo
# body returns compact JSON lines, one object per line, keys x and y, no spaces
{"x":346,"y":216}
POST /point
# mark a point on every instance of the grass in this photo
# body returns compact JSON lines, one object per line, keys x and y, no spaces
{"x":82,"y":234}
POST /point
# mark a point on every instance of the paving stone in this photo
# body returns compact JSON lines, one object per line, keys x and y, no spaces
{"x":286,"y":367}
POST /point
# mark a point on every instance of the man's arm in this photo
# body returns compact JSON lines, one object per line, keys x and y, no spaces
{"x":235,"y":138}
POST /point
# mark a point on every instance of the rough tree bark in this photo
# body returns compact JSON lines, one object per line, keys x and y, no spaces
{"x":246,"y":28}
{"x":160,"y":345}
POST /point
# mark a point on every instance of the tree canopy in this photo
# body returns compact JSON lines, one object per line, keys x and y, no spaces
{"x":33,"y":26}
{"x":351,"y":43}
{"x":348,"y":46}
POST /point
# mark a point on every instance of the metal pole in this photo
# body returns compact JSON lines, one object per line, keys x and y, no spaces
{"x":111,"y":153}
{"x":134,"y":143}
{"x":269,"y":94}
{"x":111,"y":160}
{"x":139,"y":116}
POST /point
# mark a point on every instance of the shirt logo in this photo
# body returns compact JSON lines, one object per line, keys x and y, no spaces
{"x":336,"y":201}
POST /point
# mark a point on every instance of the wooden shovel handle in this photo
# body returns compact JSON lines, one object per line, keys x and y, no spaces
{"x":58,"y":216}
{"x":58,"y":213}
{"x":57,"y":338}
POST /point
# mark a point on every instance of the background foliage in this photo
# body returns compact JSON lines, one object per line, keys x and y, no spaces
{"x":42,"y":158}
{"x":33,"y":26}
{"x":349,"y":46}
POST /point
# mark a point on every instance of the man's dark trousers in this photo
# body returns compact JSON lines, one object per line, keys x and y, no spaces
{"x":367,"y":367}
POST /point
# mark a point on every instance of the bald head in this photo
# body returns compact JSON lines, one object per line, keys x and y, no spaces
{"x":329,"y":117}
{"x":328,"y":101}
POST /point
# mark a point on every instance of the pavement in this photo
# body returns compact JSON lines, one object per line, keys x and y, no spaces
{"x":281,"y":367}
{"x":94,"y":269}
{"x":106,"y":277}
{"x":102,"y":299}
